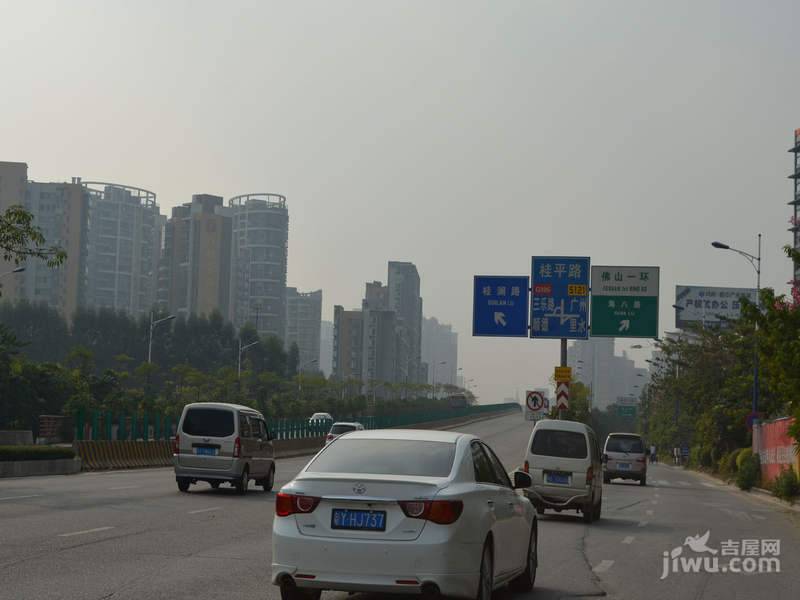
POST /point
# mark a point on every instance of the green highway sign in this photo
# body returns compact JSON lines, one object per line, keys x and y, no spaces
{"x":626,"y":411}
{"x":624,"y":302}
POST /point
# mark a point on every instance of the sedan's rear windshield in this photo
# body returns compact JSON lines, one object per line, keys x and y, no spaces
{"x":563,"y":444}
{"x":625,"y":443}
{"x":386,"y":457}
{"x":340,"y":429}
{"x":208,"y":422}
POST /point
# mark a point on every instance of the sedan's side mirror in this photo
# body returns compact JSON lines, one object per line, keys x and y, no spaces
{"x":605,"y":458}
{"x":522,"y":480}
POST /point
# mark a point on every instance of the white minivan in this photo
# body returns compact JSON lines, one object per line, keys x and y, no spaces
{"x":223,"y":443}
{"x":564,"y":461}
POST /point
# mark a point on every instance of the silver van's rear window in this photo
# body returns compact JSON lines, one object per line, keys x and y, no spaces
{"x":625,"y":443}
{"x":208,"y":422}
{"x":386,"y":457}
{"x":563,"y":444}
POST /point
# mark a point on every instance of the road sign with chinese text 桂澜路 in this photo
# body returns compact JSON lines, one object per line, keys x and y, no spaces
{"x":625,"y":302}
{"x":500,"y":306}
{"x":560,"y":297}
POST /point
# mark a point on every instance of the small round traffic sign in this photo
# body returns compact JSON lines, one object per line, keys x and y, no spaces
{"x":535,"y":400}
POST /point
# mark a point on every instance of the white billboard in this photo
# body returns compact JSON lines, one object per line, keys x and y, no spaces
{"x":704,"y":305}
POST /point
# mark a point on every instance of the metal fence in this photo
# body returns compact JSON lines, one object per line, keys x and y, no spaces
{"x":106,"y":425}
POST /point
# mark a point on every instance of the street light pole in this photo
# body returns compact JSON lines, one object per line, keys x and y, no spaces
{"x":153,"y":325}
{"x":241,"y":351}
{"x":300,"y":377}
{"x":755,"y":262}
{"x":13,"y":271}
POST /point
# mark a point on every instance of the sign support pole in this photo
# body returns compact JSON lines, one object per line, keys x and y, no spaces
{"x":563,"y":364}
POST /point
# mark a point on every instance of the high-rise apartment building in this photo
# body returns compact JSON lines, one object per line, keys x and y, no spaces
{"x":326,"y":348}
{"x":13,"y":184}
{"x":259,"y":256}
{"x":380,"y":345}
{"x":440,"y":345}
{"x":347,"y":343}
{"x":303,"y":322}
{"x":795,"y":203}
{"x":405,"y":301}
{"x":123,"y":247}
{"x":195,"y":269}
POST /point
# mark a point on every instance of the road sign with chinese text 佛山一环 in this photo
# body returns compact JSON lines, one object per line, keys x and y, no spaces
{"x":625,"y":302}
{"x":500,"y":306}
{"x":560,"y":297}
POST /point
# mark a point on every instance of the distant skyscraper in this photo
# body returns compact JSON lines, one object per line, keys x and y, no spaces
{"x":195,"y":269}
{"x":347,"y":343}
{"x":405,"y":301}
{"x":304,"y":318}
{"x":440,"y":345}
{"x":60,"y":211}
{"x":326,"y":348}
{"x":124,"y":242}
{"x":380,"y":341}
{"x":610,"y":376}
{"x":258,"y":277}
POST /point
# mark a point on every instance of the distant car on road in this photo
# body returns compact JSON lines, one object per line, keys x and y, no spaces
{"x":320,"y":417}
{"x":338,"y":429}
{"x":223,"y":443}
{"x":563,"y":459}
{"x":407,"y":512}
{"x":625,"y":457}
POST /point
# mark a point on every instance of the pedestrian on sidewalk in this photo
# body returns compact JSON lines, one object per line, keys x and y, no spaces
{"x":653,"y":453}
{"x":676,"y":455}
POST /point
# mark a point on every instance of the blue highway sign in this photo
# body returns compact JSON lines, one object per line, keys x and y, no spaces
{"x":500,"y":306}
{"x":560,"y":297}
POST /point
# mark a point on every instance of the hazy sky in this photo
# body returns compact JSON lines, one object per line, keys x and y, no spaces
{"x":462,"y":136}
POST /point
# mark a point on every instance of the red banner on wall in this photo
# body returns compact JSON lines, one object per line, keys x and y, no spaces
{"x":775,"y":448}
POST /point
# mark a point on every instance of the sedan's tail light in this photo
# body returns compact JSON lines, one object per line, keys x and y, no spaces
{"x":176,"y":444}
{"x":237,"y":447}
{"x":287,"y":504}
{"x":442,"y":512}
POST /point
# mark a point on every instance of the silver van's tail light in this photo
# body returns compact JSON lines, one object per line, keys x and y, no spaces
{"x":237,"y":447}
{"x":176,"y":444}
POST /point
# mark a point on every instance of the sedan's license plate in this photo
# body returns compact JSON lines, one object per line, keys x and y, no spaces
{"x":365,"y":520}
{"x":561,"y":478}
{"x":206,"y":451}
{"x":623,"y":466}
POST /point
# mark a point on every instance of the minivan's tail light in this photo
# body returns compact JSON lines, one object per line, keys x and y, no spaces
{"x":641,"y":459}
{"x":441,"y":512}
{"x":526,"y":467}
{"x":589,"y":475}
{"x":176,"y":444}
{"x":237,"y":447}
{"x":287,"y":504}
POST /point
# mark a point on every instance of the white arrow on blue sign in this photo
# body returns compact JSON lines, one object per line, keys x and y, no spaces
{"x":500,"y":306}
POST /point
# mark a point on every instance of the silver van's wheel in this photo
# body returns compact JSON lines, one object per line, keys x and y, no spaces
{"x":486,"y":582}
{"x":269,"y":482}
{"x":243,"y":482}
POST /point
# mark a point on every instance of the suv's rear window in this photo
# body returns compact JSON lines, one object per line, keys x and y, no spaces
{"x":386,"y":457}
{"x":625,"y":443}
{"x":340,"y":429}
{"x":563,"y":444}
{"x":208,"y":422}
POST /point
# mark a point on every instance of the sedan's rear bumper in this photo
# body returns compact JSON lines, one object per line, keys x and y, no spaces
{"x":378,"y":566}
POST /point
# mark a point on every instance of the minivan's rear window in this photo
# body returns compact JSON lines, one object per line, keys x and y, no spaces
{"x":386,"y":457}
{"x":625,"y":443}
{"x":340,"y":429}
{"x":208,"y":422}
{"x":563,"y":444}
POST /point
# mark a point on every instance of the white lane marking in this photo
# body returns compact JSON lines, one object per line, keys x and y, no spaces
{"x":711,"y":485}
{"x":684,"y":483}
{"x":202,"y":510}
{"x":95,"y":530}
{"x":604,"y":566}
{"x":653,"y":501}
{"x":661,"y":482}
{"x":649,"y":513}
{"x":643,"y":523}
{"x":21,"y":497}
{"x":760,"y":517}
{"x":628,"y":539}
{"x":124,"y":487}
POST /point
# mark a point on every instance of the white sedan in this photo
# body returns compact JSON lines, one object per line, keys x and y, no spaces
{"x":414,"y":512}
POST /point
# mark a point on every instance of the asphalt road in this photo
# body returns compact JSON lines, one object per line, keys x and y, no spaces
{"x":132,"y":535}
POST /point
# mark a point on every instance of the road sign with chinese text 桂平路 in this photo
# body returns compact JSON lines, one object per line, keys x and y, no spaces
{"x":500,"y":306}
{"x":625,"y":302}
{"x":560,"y":297}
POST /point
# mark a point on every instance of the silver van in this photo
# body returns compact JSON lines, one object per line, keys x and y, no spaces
{"x":223,"y":443}
{"x":564,"y":462}
{"x":625,"y":457}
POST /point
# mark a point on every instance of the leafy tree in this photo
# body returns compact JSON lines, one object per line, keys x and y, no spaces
{"x":20,"y":239}
{"x":293,"y":361}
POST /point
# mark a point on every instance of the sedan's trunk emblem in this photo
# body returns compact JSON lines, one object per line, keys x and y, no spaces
{"x":360,"y":489}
